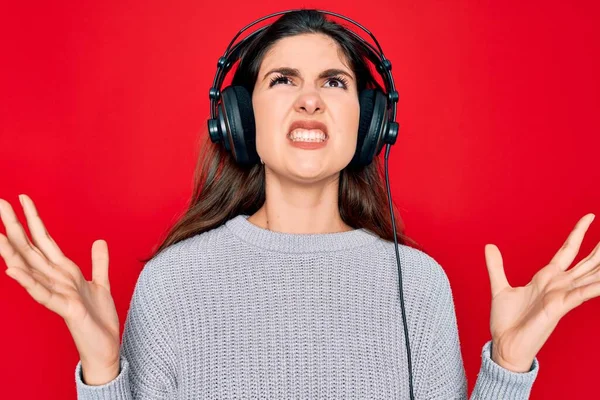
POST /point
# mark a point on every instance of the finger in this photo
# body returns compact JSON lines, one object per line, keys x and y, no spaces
{"x":493,"y":259}
{"x":39,"y":234}
{"x":587,"y":264}
{"x":590,"y":277}
{"x":41,"y":294}
{"x":567,"y":253}
{"x":9,"y":255}
{"x":100,"y":264}
{"x":41,"y":278}
{"x":580,"y":294}
{"x":45,"y":242}
{"x":18,"y":250}
{"x":14,"y":260}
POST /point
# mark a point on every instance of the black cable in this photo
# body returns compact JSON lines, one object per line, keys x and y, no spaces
{"x":407,"y":342}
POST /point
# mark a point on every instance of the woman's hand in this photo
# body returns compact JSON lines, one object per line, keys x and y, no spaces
{"x":522,"y":318}
{"x":58,"y":284}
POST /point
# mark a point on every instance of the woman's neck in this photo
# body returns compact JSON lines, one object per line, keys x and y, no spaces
{"x":305,"y":221}
{"x":292,"y":207}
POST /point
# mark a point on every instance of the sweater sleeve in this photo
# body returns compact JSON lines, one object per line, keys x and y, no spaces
{"x":446,"y":378}
{"x":147,"y":357}
{"x":495,"y":382}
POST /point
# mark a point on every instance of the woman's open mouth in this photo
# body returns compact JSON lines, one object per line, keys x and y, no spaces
{"x":308,"y":139}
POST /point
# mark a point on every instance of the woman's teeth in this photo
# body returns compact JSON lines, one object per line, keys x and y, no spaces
{"x":307,"y":135}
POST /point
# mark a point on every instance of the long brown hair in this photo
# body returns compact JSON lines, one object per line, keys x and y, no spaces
{"x":222,"y":189}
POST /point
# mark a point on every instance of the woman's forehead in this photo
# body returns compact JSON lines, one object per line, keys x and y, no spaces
{"x":310,"y":52}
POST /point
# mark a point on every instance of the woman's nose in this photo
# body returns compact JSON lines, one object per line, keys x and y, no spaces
{"x":310,"y":102}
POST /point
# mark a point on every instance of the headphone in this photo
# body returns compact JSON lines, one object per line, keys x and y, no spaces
{"x":232,"y":121}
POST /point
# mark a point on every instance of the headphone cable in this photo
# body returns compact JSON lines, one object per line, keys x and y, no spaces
{"x":407,"y":342}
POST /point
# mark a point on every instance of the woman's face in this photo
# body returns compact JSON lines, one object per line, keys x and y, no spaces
{"x":305,"y":95}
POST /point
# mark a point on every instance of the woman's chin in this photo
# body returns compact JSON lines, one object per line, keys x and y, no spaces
{"x":307,"y":171}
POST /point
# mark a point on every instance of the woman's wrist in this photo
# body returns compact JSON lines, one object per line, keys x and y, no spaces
{"x":512,"y":364}
{"x":94,"y":376}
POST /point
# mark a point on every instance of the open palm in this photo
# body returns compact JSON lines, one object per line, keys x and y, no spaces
{"x":57,"y":283}
{"x":522,"y":318}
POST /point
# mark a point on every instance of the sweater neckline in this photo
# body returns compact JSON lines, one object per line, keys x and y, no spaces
{"x":297,"y":242}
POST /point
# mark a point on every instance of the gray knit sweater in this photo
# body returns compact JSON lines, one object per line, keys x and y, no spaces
{"x":241,"y":312}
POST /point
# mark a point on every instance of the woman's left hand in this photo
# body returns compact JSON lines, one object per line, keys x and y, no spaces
{"x":522,"y":318}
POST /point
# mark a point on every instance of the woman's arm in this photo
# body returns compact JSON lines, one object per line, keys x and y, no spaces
{"x":147,"y":369}
{"x":445,"y":377}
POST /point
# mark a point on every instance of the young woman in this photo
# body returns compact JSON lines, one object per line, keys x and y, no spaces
{"x":280,"y":281}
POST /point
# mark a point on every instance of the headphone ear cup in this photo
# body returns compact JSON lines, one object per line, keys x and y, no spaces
{"x":373,"y":106}
{"x":240,"y":128}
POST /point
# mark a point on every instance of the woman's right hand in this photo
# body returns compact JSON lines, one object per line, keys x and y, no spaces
{"x":54,"y":281}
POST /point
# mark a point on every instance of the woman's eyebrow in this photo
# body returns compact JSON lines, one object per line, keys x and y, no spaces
{"x":328,"y":73}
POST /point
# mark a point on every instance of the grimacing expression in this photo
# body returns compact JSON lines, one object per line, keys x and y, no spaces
{"x":279,"y":98}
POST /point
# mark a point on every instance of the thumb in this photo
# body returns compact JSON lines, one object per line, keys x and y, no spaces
{"x":100,"y":263}
{"x":495,"y":267}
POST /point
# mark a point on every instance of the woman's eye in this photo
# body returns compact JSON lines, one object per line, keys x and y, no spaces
{"x":341,"y":82}
{"x":278,"y":79}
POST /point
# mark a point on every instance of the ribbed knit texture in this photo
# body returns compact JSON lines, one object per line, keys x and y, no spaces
{"x":242,"y":312}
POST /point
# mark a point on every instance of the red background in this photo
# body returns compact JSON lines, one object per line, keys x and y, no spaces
{"x":103,"y":102}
